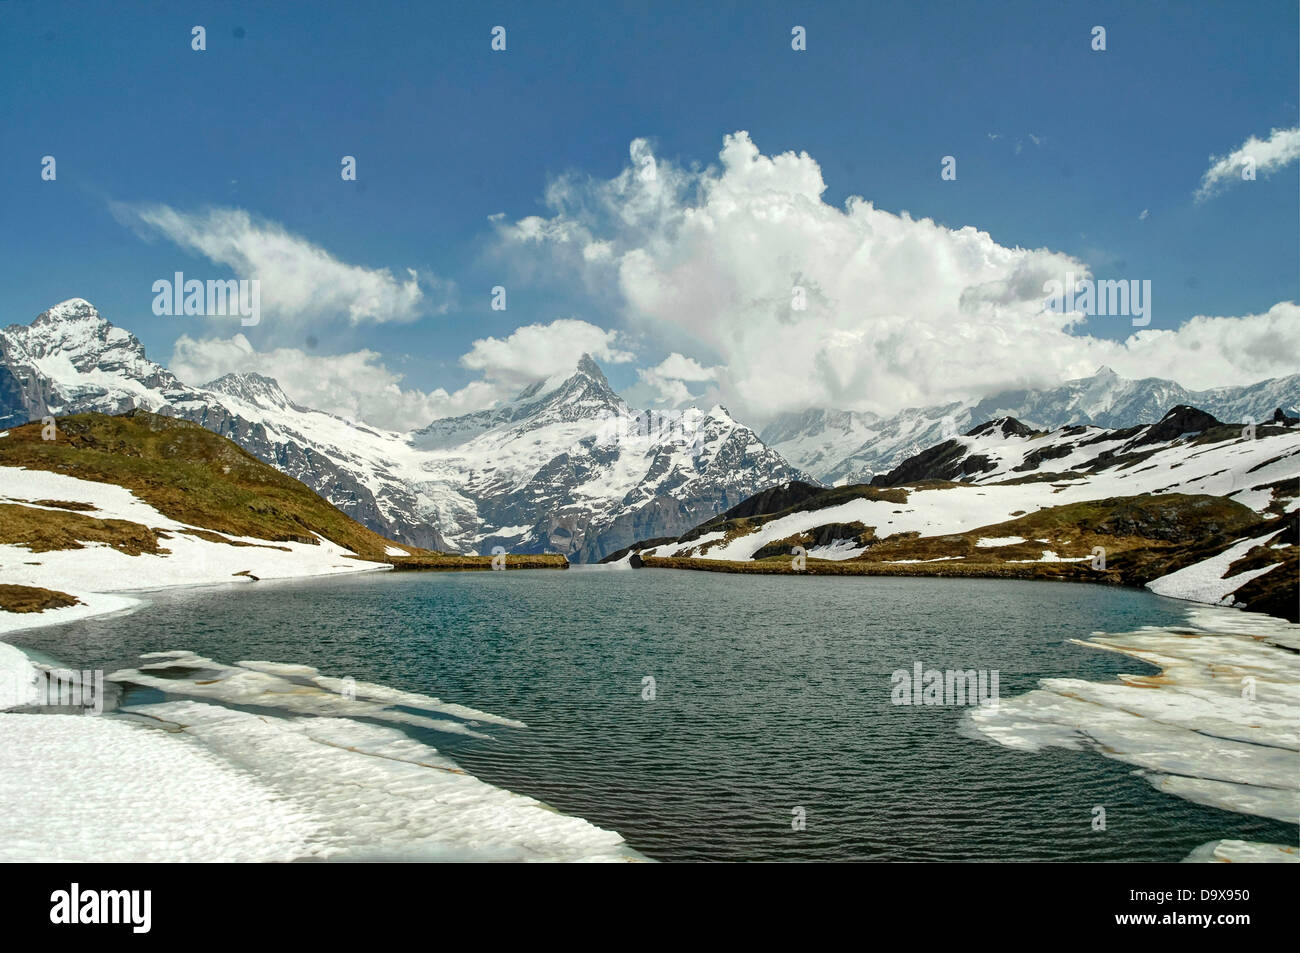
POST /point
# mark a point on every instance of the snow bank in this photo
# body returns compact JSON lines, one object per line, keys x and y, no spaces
{"x":95,"y":569}
{"x":988,"y":542}
{"x":77,"y":788}
{"x":16,"y":674}
{"x":93,"y":604}
{"x":1205,"y":581}
{"x":306,"y":774}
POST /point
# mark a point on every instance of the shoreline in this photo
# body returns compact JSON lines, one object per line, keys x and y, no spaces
{"x":92,"y":604}
{"x":200,"y":716}
{"x":320,"y":770}
{"x":1061,"y":571}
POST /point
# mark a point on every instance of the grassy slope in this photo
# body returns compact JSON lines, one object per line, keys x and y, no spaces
{"x":196,"y":477}
{"x":33,"y":599}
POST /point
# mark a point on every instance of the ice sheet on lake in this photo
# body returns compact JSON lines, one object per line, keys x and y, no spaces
{"x":299,"y":690}
{"x":1219,"y":725}
{"x":17,"y":674}
{"x":303,"y":773}
{"x":376,"y":794}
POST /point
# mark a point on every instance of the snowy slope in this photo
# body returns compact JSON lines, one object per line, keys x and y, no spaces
{"x":95,"y":571}
{"x":1013,"y":471}
{"x":843,"y":447}
{"x":558,"y":469}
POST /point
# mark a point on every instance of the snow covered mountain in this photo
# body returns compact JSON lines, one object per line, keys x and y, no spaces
{"x":565,"y":467}
{"x":842,"y":447}
{"x":1189,"y":506}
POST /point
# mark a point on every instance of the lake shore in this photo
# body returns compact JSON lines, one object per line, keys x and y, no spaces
{"x":323,"y":771}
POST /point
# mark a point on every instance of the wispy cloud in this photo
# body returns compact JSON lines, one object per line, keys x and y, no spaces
{"x":299,"y":279}
{"x":357,"y":386}
{"x":1281,"y":148}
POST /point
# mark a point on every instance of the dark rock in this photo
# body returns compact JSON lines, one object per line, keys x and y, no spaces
{"x":1007,"y":426}
{"x":1179,"y":421}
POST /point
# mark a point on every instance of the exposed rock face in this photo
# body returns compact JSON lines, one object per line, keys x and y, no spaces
{"x":1179,"y":421}
{"x":774,"y":499}
{"x":951,"y":460}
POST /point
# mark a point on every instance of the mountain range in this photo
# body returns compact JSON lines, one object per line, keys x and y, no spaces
{"x":845,"y":447}
{"x":565,"y":467}
{"x":1189,"y":506}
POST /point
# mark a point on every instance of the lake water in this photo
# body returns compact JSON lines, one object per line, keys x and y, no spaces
{"x":772,"y":693}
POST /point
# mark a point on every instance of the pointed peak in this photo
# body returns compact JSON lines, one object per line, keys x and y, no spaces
{"x":253,"y":387}
{"x":583,"y":374}
{"x":71,"y":310}
{"x":589,"y":367}
{"x":1106,"y":372}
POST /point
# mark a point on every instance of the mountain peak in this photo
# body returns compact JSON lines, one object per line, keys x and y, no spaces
{"x":1106,"y":373}
{"x":589,"y":367}
{"x":252,"y":387}
{"x":71,"y":310}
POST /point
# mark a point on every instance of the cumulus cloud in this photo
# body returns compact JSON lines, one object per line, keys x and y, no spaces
{"x":360,"y":387}
{"x":356,"y":386}
{"x":540,"y":351}
{"x":667,"y":383}
{"x":1212,"y":351}
{"x":797,"y":303}
{"x":684,"y":368}
{"x":299,"y":280}
{"x":1281,"y":148}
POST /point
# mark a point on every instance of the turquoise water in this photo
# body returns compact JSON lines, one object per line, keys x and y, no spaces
{"x":772,"y":693}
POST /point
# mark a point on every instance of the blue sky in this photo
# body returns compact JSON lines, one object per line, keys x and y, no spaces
{"x":1058,"y":147}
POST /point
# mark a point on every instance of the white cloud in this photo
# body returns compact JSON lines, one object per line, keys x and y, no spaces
{"x":684,"y":368}
{"x":299,"y":280}
{"x":1280,"y":148}
{"x":539,"y":351}
{"x":899,"y":311}
{"x":357,"y":386}
{"x":666,"y":383}
{"x":1212,"y":351}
